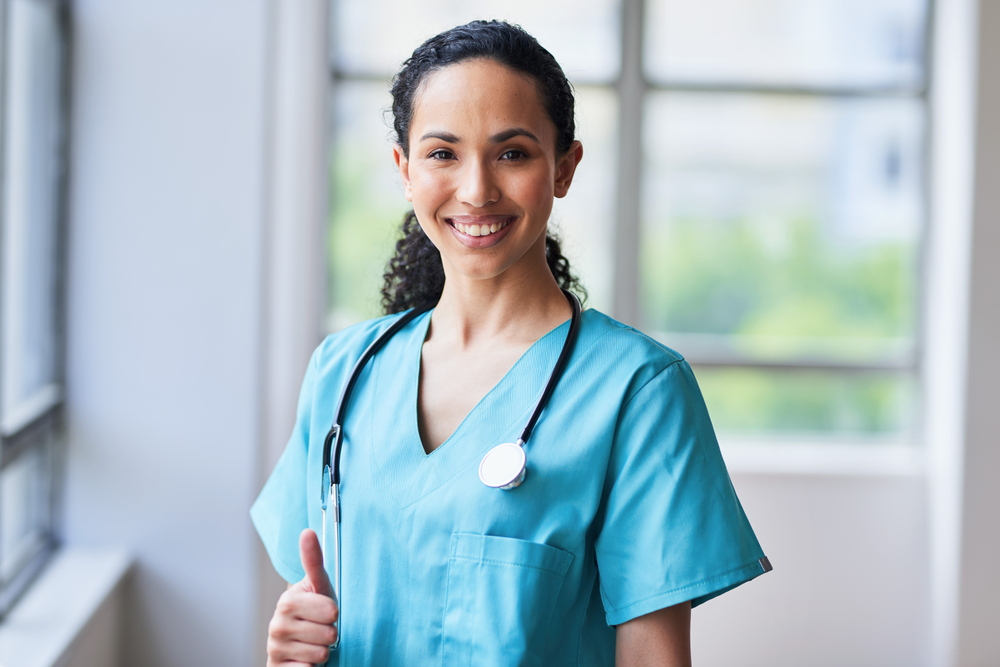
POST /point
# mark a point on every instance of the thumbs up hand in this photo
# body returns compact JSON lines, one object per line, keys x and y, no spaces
{"x":317,"y":580}
{"x":301,"y":630}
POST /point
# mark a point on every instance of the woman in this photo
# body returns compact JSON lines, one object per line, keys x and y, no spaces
{"x":625,"y":517}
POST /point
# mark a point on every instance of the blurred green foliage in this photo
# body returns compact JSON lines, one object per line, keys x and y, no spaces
{"x":363,"y":228}
{"x":750,"y":400}
{"x":787,"y":291}
{"x":735,"y":278}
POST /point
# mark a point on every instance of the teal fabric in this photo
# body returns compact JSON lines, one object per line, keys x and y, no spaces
{"x":626,"y":507}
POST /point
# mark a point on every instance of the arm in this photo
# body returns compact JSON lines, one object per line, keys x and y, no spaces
{"x":661,"y":638}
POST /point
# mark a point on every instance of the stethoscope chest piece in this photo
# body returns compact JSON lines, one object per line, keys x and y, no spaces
{"x":503,"y":466}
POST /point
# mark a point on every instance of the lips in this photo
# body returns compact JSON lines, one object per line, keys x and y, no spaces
{"x":480,"y":230}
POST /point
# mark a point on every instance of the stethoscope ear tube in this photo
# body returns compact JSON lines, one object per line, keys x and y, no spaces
{"x":333,"y":443}
{"x":567,"y":350}
{"x":330,"y":491}
{"x":334,"y":439}
{"x":333,"y":492}
{"x":505,"y":466}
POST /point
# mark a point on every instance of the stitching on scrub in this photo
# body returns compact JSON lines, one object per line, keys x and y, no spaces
{"x":444,"y":611}
{"x":618,"y":423}
{"x":503,"y":562}
{"x":619,"y":326}
{"x":700,"y":582}
{"x":723,"y":494}
{"x":717,"y":486}
{"x":413,"y":410}
{"x":293,"y":570}
{"x":552,"y":612}
{"x":638,"y":391}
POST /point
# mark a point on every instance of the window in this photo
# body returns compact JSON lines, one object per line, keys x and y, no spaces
{"x":32,"y":183}
{"x":752,"y":191}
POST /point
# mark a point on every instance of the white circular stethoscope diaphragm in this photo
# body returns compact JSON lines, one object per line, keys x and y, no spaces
{"x":503,"y":466}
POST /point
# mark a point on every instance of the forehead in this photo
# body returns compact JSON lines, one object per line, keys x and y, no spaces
{"x":480,"y":94}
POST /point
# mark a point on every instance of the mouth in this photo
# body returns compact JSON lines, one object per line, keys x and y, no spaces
{"x":478,"y":226}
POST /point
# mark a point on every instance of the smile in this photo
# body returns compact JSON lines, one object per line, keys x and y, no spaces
{"x":484,"y":229}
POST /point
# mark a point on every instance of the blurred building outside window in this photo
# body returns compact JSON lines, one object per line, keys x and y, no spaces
{"x":33,"y":133}
{"x":752,"y":192}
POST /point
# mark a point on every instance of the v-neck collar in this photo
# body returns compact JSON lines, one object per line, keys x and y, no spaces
{"x":398,"y":455}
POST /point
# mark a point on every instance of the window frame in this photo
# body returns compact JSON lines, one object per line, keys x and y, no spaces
{"x":631,"y":86}
{"x":41,"y":428}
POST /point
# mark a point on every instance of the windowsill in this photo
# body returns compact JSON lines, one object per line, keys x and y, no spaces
{"x":823,"y":458}
{"x":43,"y":626}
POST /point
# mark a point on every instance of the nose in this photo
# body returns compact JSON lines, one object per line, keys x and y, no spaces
{"x":477,"y":186}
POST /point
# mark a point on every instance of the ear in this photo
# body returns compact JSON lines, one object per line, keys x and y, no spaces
{"x":566,"y":167}
{"x":403,"y":164}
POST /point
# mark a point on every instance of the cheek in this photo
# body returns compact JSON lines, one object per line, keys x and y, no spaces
{"x":536,"y":193}
{"x":427,"y":189}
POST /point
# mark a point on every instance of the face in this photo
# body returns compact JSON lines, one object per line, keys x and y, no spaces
{"x":482,"y":169}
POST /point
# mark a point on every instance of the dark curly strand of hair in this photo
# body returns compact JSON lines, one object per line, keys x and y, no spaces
{"x":415,"y":275}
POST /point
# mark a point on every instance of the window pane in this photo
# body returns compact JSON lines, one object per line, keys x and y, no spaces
{"x":30,"y":210}
{"x":24,"y":510}
{"x":806,"y":42}
{"x":748,"y":400}
{"x":584,"y":219}
{"x":376,"y":36}
{"x":366,"y":202}
{"x":790,"y":223}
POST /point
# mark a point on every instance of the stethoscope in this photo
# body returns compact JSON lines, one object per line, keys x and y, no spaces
{"x":503,"y":467}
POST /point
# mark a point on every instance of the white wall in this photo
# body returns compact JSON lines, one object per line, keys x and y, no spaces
{"x":979,"y":590}
{"x":164,"y":314}
{"x":172,"y":349}
{"x":849,"y":585}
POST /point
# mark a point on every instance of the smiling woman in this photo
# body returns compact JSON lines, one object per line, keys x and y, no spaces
{"x":459,"y":180}
{"x":625,"y":517}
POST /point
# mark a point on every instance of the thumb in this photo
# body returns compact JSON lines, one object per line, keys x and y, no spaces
{"x":312,"y":563}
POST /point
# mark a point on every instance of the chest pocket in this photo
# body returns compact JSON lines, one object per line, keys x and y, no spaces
{"x":500,"y":599}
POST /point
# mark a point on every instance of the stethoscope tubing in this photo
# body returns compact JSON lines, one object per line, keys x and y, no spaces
{"x":333,"y":443}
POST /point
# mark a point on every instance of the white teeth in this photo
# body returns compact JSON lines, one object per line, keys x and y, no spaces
{"x":481,"y":230}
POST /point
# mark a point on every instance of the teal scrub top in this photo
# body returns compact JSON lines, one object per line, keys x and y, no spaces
{"x":626,"y":506}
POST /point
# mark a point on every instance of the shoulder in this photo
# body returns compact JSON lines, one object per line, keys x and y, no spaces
{"x":347,"y":345}
{"x":621,"y":354}
{"x":610,"y":334}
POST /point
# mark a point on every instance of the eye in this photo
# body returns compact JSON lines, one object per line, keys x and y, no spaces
{"x":513,"y":154}
{"x":441,"y":154}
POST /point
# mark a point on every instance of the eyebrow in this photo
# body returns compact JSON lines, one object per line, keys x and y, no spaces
{"x":496,"y":138}
{"x":443,"y":136}
{"x":511,"y":133}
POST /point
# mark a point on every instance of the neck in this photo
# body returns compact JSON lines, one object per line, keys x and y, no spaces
{"x":508,"y":308}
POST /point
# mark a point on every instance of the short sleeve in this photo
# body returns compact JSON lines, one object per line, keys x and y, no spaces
{"x":280,"y":512}
{"x":673,"y":529}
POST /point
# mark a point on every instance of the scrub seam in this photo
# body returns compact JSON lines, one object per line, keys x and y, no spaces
{"x":638,"y":391}
{"x":507,"y":563}
{"x":476,"y":607}
{"x":695,"y":584}
{"x":287,"y":566}
{"x":552,"y":612}
{"x":444,"y":614}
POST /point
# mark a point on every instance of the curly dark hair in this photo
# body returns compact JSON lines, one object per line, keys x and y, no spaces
{"x":415,"y":274}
